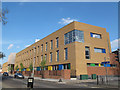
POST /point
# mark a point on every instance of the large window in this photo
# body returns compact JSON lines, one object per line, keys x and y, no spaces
{"x":66,"y":53}
{"x":87,"y":52}
{"x":50,"y":56}
{"x":75,"y":35}
{"x":51,"y":44}
{"x":94,"y":35}
{"x":99,"y":50}
{"x":57,"y":42}
{"x":57,"y":55}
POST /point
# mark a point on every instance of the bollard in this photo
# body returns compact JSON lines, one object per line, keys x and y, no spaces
{"x":97,"y":80}
{"x":60,"y":80}
{"x":102,"y":80}
{"x":30,"y":82}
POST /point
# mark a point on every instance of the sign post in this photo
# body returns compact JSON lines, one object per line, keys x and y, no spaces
{"x":106,"y":68}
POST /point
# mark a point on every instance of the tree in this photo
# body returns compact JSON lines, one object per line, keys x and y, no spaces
{"x":11,"y":68}
{"x":22,"y":67}
{"x":31,"y":67}
{"x":0,"y":66}
{"x":8,"y":69}
{"x":3,"y":13}
{"x":16,"y":68}
{"x":2,"y":55}
{"x":42,"y":64}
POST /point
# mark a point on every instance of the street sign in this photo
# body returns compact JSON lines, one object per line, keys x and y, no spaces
{"x":105,"y":62}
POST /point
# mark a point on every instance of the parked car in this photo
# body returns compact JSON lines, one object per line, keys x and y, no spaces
{"x":18,"y":75}
{"x":5,"y":74}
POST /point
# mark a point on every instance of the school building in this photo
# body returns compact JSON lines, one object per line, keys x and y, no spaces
{"x":77,"y":46}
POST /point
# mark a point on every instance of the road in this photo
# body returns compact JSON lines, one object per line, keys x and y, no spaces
{"x":10,"y":82}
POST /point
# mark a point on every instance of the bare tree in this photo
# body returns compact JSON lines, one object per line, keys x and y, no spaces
{"x":3,"y":17}
{"x":2,"y":55}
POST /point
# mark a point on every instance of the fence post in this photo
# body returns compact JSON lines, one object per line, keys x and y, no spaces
{"x":102,"y":80}
{"x":97,"y":80}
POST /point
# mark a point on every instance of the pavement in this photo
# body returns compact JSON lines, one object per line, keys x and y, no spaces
{"x":86,"y":83}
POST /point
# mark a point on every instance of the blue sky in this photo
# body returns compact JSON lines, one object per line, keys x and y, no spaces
{"x":30,"y":21}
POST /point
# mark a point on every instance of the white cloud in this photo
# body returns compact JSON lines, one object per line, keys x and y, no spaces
{"x":10,"y":46}
{"x":114,"y":44}
{"x":36,"y":40}
{"x":67,"y":20}
{"x":18,"y":47}
{"x":27,"y":45}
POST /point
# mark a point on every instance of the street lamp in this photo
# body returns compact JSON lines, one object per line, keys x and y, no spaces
{"x":33,"y":61}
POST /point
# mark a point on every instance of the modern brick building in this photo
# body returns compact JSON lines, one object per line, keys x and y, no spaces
{"x":5,"y":67}
{"x":77,"y":46}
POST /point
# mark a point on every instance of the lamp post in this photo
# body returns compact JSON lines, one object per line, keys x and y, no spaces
{"x":33,"y":61}
{"x":106,"y":69}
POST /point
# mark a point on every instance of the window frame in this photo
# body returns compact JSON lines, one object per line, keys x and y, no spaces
{"x":57,"y":55}
{"x":51,"y":44}
{"x":46,"y":45}
{"x":88,"y":52}
{"x":102,"y":50}
{"x":91,"y":34}
{"x":65,"y":53}
{"x":51,"y":54}
{"x":57,"y":42}
{"x":74,"y":35}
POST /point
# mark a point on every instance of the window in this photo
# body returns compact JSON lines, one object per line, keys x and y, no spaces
{"x":37,"y":59}
{"x":113,"y":65}
{"x":66,"y":66}
{"x":72,"y":36}
{"x":99,"y":50}
{"x":42,"y":47}
{"x":46,"y":46}
{"x":66,"y":53}
{"x":51,"y":44}
{"x":96,"y":64}
{"x":57,"y":55}
{"x":38,"y":50}
{"x":50,"y":56}
{"x":41,"y":57}
{"x":57,"y":42}
{"x":34,"y":51}
{"x":46,"y":57}
{"x":87,"y":52}
{"x":88,"y":64}
{"x":94,"y":35}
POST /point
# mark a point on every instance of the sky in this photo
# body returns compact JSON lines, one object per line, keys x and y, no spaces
{"x":30,"y":21}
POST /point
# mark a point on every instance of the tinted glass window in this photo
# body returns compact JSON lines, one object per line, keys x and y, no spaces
{"x":75,"y":35}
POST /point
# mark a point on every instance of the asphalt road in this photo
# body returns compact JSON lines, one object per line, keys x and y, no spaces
{"x":10,"y":82}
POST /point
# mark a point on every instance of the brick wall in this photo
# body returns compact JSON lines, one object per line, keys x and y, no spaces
{"x":65,"y":74}
{"x":102,"y":70}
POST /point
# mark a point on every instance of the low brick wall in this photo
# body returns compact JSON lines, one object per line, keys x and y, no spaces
{"x":65,"y":74}
{"x":102,"y":70}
